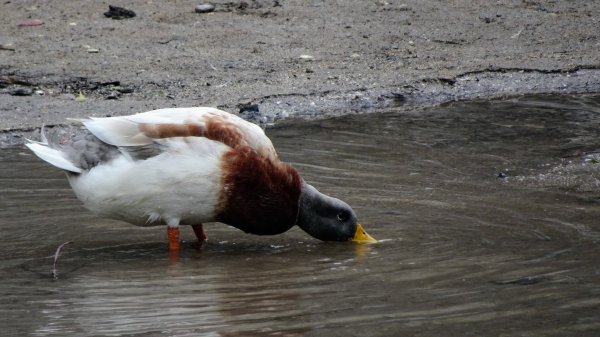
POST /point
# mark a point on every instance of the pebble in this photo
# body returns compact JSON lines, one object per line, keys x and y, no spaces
{"x":113,"y":95}
{"x":248,"y":107}
{"x":124,"y":90}
{"x":23,"y":91}
{"x":119,"y":13}
{"x":395,"y":98}
{"x":7,"y":47}
{"x":205,"y":8}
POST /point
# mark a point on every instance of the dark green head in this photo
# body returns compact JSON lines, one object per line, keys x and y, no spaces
{"x":327,"y":218}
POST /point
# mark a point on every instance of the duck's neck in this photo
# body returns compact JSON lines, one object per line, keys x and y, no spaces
{"x":259,"y":195}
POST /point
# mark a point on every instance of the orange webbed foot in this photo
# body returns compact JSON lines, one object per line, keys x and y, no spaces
{"x":173,"y":235}
{"x":200,"y":234}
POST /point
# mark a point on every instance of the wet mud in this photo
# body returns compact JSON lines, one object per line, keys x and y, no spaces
{"x":287,"y":58}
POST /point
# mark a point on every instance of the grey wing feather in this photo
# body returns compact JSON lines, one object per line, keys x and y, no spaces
{"x":79,"y":145}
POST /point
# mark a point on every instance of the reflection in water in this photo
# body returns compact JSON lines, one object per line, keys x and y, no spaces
{"x":488,"y":214}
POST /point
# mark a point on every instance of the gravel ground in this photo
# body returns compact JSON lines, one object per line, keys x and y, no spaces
{"x":275,"y":59}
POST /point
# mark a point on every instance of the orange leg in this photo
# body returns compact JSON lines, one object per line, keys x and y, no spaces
{"x":200,"y":233}
{"x":173,"y":234}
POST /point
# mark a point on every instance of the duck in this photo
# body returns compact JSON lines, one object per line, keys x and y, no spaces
{"x":189,"y":166}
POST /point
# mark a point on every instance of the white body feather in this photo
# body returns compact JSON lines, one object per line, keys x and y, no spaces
{"x":181,"y":185}
{"x":53,"y":156}
{"x":174,"y":187}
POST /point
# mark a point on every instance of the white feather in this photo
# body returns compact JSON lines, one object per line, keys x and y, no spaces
{"x":183,"y":184}
{"x":116,"y":131}
{"x":52,"y":156}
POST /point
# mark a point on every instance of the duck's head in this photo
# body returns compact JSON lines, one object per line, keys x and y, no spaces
{"x":327,"y":218}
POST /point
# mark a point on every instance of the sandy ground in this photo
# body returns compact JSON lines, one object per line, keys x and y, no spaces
{"x":305,"y":59}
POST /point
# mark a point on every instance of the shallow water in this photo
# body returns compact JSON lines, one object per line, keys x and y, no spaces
{"x":488,"y":214}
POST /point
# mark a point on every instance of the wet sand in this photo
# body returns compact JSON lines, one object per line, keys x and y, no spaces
{"x":290,"y":58}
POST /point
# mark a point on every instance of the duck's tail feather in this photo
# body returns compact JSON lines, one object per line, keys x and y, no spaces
{"x":53,"y":156}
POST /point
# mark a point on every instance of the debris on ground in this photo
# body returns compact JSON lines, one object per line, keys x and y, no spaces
{"x":21,"y":91}
{"x":119,"y":13}
{"x":205,"y":8}
{"x":81,"y":97}
{"x":56,"y":255}
{"x":30,"y":23}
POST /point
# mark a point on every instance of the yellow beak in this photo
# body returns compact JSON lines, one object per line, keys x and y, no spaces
{"x":362,"y":237}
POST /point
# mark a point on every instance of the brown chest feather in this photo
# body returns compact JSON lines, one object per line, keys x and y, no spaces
{"x":259,"y":195}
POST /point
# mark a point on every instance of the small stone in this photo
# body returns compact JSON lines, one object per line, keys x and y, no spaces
{"x":119,"y":13}
{"x":248,"y":107}
{"x":205,"y":8}
{"x":7,"y":47}
{"x":124,"y":90}
{"x":22,"y":91}
{"x":40,"y":92}
{"x":307,"y":57}
{"x":395,"y":98}
{"x":93,"y":50}
{"x":113,"y":95}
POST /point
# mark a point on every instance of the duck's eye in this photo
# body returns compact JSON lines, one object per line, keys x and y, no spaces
{"x":343,"y":216}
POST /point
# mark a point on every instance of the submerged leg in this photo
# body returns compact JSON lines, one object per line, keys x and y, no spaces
{"x":173,"y":235}
{"x":200,"y":233}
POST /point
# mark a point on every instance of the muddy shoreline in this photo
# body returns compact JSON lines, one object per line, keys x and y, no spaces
{"x":274,"y":60}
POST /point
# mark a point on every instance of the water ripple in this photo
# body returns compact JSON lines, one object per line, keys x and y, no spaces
{"x":464,"y":250}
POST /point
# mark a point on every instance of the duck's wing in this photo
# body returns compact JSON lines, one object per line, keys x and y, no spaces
{"x":151,"y":131}
{"x":72,"y":149}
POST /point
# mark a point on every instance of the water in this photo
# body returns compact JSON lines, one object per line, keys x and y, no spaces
{"x":488,"y":214}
